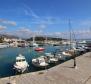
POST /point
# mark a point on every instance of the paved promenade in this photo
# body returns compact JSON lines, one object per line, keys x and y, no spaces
{"x":60,"y":74}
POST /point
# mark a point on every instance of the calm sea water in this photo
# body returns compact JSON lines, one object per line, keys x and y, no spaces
{"x":8,"y":58}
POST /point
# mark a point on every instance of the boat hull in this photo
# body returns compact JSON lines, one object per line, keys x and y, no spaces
{"x":22,"y":70}
{"x":39,"y":49}
{"x":38,"y":65}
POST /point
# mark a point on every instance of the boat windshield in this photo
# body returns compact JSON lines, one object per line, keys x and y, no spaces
{"x":41,"y":60}
{"x":20,"y":60}
{"x":23,"y":59}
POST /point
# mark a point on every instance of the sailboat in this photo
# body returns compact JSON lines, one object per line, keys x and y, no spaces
{"x":70,"y":51}
{"x":46,"y":41}
{"x":33,"y":44}
{"x":36,"y":47}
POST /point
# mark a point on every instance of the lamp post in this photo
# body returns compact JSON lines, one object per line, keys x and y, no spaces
{"x":74,"y":58}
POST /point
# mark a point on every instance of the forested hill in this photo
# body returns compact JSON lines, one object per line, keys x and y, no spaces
{"x":44,"y":38}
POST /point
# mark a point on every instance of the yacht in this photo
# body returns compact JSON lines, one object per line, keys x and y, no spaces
{"x":21,"y":64}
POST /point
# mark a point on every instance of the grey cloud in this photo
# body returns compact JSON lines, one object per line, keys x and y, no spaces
{"x":2,"y":27}
{"x":7,"y":22}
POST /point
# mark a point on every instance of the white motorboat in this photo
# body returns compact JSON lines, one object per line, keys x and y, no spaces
{"x":21,"y":64}
{"x":80,"y":49}
{"x":86,"y":48}
{"x":39,"y":62}
{"x":34,"y":45}
{"x":4,"y":45}
{"x":59,"y":55}
{"x":51,"y":58}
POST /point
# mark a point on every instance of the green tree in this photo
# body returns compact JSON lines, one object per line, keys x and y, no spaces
{"x":1,"y":39}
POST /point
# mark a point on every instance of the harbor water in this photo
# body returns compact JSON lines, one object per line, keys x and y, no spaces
{"x":8,"y":58}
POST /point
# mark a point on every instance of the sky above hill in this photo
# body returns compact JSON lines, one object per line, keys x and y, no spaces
{"x":47,"y":17}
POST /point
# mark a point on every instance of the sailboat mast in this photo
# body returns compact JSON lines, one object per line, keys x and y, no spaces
{"x":46,"y":39}
{"x":34,"y":38}
{"x":70,"y":33}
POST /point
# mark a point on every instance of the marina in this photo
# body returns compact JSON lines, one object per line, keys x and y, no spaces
{"x":8,"y":58}
{"x":45,"y":42}
{"x":46,"y":59}
{"x":62,"y":73}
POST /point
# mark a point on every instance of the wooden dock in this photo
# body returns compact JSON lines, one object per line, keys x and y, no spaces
{"x":60,"y":74}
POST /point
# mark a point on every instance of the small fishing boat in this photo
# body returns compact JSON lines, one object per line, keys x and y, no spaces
{"x":61,"y":57}
{"x":39,"y":62}
{"x":86,"y":48}
{"x":51,"y":57}
{"x":39,"y":49}
{"x":21,"y":64}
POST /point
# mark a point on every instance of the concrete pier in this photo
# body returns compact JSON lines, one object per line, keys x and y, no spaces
{"x":61,"y":74}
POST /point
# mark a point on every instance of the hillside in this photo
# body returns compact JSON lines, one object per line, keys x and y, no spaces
{"x":40,"y":38}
